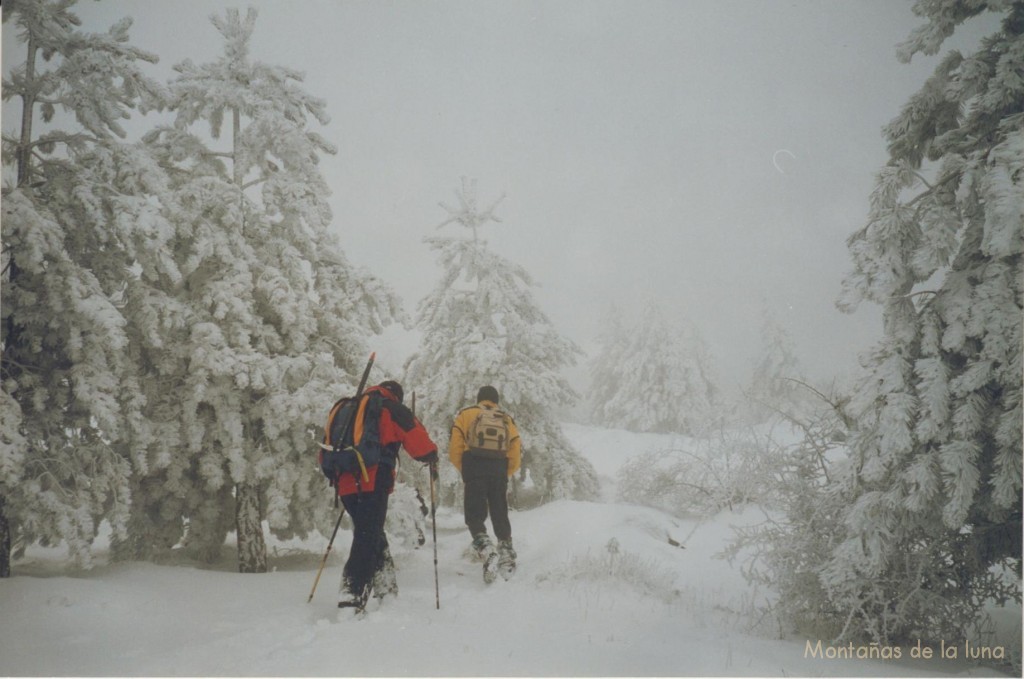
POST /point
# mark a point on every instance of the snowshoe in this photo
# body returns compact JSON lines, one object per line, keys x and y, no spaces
{"x":346,"y":599}
{"x":384,"y":580}
{"x":481,"y":546}
{"x":358,"y":603}
{"x":491,"y":567}
{"x":483,"y":550}
{"x":506,"y":559}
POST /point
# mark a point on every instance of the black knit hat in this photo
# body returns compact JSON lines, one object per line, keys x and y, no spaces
{"x":487,"y":394}
{"x":395,"y":388}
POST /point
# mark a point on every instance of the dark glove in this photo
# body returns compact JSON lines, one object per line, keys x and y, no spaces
{"x":430,"y":459}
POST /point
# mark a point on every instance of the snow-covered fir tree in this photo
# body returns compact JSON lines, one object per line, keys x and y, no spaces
{"x":481,"y":326}
{"x":71,"y":397}
{"x":261,"y":320}
{"x":934,"y":485}
{"x":774,"y":385}
{"x":605,"y":373}
{"x":654,"y":374}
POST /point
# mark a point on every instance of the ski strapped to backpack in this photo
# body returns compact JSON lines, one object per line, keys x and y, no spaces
{"x":489,"y":433}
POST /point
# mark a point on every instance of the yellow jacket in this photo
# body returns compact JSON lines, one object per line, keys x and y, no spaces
{"x":457,"y":444}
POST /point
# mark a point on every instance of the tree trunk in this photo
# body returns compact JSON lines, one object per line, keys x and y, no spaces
{"x":209,"y":522}
{"x":5,"y":543}
{"x":11,"y":338}
{"x":252,"y":550}
{"x":24,"y":153}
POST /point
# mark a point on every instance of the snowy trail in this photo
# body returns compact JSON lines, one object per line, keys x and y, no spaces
{"x":572,"y":608}
{"x":561,"y":615}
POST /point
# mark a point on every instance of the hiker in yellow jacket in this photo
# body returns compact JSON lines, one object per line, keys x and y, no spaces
{"x":486,"y":449}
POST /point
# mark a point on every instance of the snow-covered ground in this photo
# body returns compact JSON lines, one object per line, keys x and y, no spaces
{"x":599,"y":592}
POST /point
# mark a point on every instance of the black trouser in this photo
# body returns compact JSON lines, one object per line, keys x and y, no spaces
{"x":486,"y":482}
{"x":369,"y":511}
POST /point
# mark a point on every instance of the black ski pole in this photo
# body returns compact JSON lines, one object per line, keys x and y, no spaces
{"x":433,"y":517}
{"x":433,"y":520}
{"x":345,"y":433}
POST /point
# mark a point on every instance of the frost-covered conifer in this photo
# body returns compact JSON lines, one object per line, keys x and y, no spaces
{"x":71,"y":396}
{"x":935,"y":485}
{"x":605,"y":367}
{"x":657,"y":375}
{"x":774,"y":385}
{"x":269,"y":315}
{"x":480,"y":326}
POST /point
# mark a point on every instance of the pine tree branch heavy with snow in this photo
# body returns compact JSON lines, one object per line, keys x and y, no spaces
{"x":934,"y":485}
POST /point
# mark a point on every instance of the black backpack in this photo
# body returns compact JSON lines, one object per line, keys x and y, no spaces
{"x":341,"y":453}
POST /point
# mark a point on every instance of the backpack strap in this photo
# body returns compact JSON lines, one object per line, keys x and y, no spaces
{"x":357,"y":432}
{"x":330,"y":421}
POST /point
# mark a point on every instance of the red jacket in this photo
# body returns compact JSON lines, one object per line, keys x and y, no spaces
{"x":399,"y":428}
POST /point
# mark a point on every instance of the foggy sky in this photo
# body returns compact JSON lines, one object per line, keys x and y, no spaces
{"x":713,"y":154}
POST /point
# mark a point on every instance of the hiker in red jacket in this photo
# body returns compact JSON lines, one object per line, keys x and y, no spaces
{"x":363,"y":469}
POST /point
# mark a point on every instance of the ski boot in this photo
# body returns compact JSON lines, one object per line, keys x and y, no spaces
{"x":484,"y":550}
{"x":506,"y":558}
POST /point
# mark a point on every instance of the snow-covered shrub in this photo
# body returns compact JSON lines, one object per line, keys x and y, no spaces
{"x":786,"y":551}
{"x":794,"y":552}
{"x":408,"y":518}
{"x":802,"y":519}
{"x":704,"y":477}
{"x":616,"y":564}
